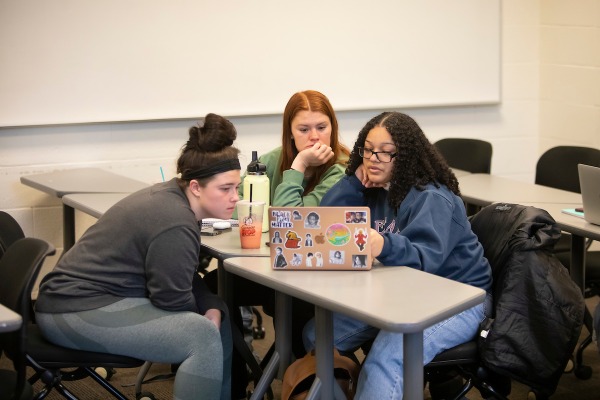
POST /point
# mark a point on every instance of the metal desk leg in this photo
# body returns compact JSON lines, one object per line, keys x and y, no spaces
{"x":413,"y":365}
{"x":282,"y":355}
{"x":225,"y":290}
{"x":68,"y":227}
{"x":577,"y":270}
{"x":325,"y":385}
{"x":283,"y":331}
{"x":225,"y":284}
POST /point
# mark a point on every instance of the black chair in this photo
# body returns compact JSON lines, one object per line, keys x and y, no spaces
{"x":472,"y":155}
{"x":557,"y":168}
{"x":10,"y":382}
{"x":10,"y":231}
{"x":19,"y":268}
{"x":532,"y":294}
{"x":13,"y":388}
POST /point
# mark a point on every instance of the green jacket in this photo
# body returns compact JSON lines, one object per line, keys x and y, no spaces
{"x":287,"y":189}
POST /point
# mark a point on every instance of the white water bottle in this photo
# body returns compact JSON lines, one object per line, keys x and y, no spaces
{"x":257,"y":187}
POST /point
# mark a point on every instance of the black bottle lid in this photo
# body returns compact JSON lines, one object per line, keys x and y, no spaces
{"x":255,"y":167}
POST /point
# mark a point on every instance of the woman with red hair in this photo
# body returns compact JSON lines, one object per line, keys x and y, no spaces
{"x":311,"y":157}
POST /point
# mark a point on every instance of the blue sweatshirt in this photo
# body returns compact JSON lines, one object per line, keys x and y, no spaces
{"x":430,"y":231}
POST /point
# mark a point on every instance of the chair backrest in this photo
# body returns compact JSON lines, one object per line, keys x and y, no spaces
{"x":10,"y":231}
{"x":557,"y":167}
{"x":472,"y":155}
{"x":19,"y":268}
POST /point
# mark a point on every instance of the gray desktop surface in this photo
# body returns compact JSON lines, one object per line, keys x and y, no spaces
{"x":484,"y":189}
{"x":94,"y":204}
{"x":227,"y":244}
{"x":82,"y":180}
{"x":9,"y":320}
{"x":391,"y":298}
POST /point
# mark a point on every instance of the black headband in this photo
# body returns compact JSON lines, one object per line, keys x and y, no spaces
{"x":213,"y":169}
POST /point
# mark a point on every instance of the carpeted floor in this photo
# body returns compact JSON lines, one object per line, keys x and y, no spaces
{"x":570,"y":387}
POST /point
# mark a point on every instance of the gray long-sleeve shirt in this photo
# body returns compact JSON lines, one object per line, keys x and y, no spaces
{"x":146,"y":245}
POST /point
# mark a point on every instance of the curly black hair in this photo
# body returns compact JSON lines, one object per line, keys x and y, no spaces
{"x":417,"y":162}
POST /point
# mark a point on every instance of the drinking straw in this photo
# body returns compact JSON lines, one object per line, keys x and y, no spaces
{"x":250,"y":209}
{"x":162,"y":174}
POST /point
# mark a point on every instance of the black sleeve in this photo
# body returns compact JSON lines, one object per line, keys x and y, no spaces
{"x":205,"y":299}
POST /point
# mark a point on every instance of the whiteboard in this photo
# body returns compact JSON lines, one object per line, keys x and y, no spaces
{"x":81,"y":61}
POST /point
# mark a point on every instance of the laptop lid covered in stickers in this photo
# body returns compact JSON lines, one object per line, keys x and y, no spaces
{"x":320,"y":238}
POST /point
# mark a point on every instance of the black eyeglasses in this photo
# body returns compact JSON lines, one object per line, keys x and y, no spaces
{"x":383,"y":156}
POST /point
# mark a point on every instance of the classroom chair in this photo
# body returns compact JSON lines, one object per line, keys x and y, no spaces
{"x":532,"y":294}
{"x":13,"y":384}
{"x":557,"y":168}
{"x":10,"y":231}
{"x":19,"y":268}
{"x":472,"y":155}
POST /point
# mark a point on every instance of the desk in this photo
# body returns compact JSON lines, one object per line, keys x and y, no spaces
{"x":227,"y":245}
{"x":579,"y":230}
{"x":80,"y":180}
{"x":485,"y":189}
{"x":222,"y":247}
{"x":9,"y":320}
{"x":459,"y":172}
{"x":391,"y":298}
{"x":94,"y":204}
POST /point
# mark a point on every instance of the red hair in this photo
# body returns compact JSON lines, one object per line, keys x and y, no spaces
{"x":310,"y":100}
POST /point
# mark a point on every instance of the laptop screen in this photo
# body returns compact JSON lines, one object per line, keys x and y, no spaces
{"x":589,"y":181}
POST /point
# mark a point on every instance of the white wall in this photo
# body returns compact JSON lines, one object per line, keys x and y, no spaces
{"x":169,"y":59}
{"x":139,"y":149}
{"x":570,"y":72}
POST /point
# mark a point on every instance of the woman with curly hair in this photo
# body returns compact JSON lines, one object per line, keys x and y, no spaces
{"x":418,"y":220}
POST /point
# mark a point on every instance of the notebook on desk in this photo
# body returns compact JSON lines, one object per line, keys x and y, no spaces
{"x":589,"y":181}
{"x":320,"y":238}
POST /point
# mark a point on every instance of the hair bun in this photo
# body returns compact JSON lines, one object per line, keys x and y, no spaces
{"x":213,"y":135}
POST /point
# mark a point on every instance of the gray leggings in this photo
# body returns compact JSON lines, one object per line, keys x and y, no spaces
{"x":135,"y":328}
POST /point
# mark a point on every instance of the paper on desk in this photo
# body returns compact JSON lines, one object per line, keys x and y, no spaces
{"x":572,"y":211}
{"x":210,"y":221}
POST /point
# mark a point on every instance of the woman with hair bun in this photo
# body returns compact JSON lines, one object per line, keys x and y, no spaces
{"x":129,"y":286}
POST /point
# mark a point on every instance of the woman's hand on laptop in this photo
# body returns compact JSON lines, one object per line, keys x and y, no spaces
{"x":376,"y":241}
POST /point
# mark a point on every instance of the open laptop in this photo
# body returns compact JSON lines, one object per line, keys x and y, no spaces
{"x":320,"y":238}
{"x":589,"y":181}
